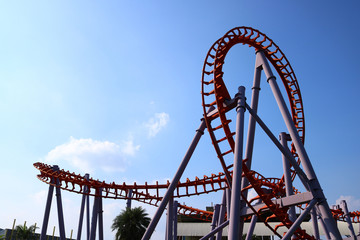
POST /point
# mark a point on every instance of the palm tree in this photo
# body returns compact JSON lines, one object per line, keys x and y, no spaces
{"x":130,"y":224}
{"x":24,"y":233}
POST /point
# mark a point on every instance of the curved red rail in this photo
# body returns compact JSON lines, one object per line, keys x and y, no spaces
{"x":76,"y":183}
{"x":151,"y":193}
{"x":215,"y":93}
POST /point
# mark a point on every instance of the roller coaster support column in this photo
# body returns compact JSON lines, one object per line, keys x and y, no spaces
{"x":235,"y":207}
{"x":326,"y":232}
{"x":47,"y":211}
{"x":347,"y":218}
{"x":97,"y":215}
{"x":88,"y":215}
{"x":251,"y":129}
{"x":300,"y":219}
{"x":252,"y":224}
{"x":59,"y":208}
{"x":228,"y":201}
{"x":251,"y":227}
{"x":101,"y":222}
{"x":128,"y":201}
{"x":252,"y":122}
{"x":313,"y":181}
{"x":94,"y":218}
{"x":215,"y":218}
{"x":221,"y":214}
{"x":82,"y":209}
{"x":284,"y":138}
{"x":175,"y":180}
{"x":175,"y":209}
{"x":314,"y":220}
{"x":216,"y":230}
{"x":169,"y":219}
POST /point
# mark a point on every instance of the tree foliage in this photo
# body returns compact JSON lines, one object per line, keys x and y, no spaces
{"x":130,"y":224}
{"x":24,"y":233}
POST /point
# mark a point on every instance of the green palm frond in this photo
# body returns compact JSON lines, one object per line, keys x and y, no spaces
{"x":130,"y":224}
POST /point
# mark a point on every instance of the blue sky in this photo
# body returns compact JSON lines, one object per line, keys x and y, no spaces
{"x":113,"y":88}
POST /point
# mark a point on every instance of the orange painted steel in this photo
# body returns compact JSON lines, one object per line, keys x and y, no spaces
{"x":76,"y":183}
{"x":146,"y":193}
{"x":150,"y":193}
{"x":215,"y":93}
{"x":340,"y":215}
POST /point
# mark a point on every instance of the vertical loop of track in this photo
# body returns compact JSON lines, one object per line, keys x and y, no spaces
{"x":215,"y":93}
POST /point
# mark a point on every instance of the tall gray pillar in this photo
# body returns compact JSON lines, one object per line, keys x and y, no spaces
{"x":175,"y":180}
{"x":235,"y":207}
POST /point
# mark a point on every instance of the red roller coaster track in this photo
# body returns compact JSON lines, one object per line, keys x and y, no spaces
{"x":215,"y":94}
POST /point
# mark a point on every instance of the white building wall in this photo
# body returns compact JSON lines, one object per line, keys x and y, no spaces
{"x":201,"y":229}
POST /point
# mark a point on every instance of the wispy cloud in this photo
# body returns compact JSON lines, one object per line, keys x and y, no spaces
{"x":128,"y":148}
{"x":88,"y":154}
{"x":156,"y":123}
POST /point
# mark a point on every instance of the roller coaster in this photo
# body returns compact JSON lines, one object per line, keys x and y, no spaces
{"x":224,"y":117}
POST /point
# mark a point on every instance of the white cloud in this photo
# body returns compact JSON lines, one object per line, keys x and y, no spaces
{"x":156,"y":123}
{"x":352,"y":203}
{"x":88,"y":154}
{"x":129,"y":148}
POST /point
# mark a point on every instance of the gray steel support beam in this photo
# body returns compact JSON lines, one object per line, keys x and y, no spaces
{"x":235,"y":208}
{"x":100,"y":216}
{"x":305,"y":161}
{"x":314,"y":220}
{"x":284,"y":138}
{"x":175,"y":180}
{"x":87,"y":215}
{"x":283,"y":150}
{"x":128,"y":201}
{"x":251,"y":227}
{"x":252,"y":122}
{"x":170,"y":219}
{"x":221,"y":215}
{"x":59,"y":206}
{"x":347,"y":218}
{"x":215,"y":218}
{"x":216,"y":230}
{"x":175,"y":214}
{"x":94,"y":216}
{"x":82,"y":209}
{"x":47,"y":211}
{"x":293,"y":200}
{"x":251,"y":130}
{"x":323,"y":225}
{"x":228,"y":201}
{"x":299,"y":220}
